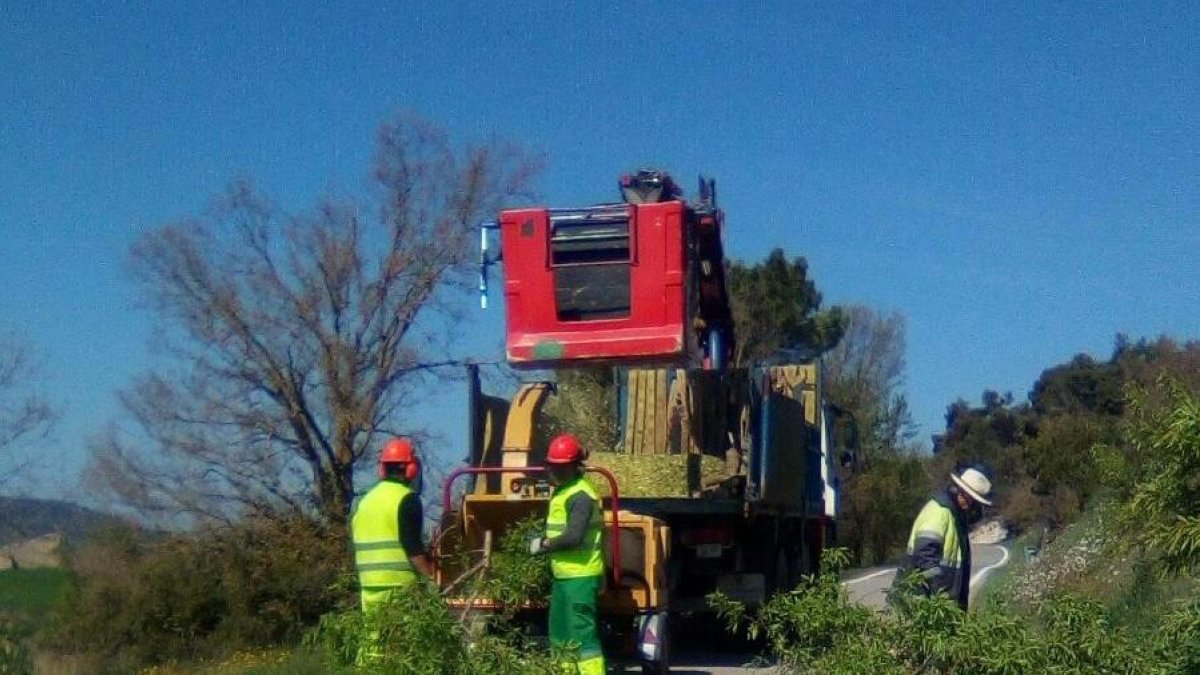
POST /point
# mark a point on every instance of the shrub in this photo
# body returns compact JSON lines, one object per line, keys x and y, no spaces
{"x":815,"y":629}
{"x":14,"y":658}
{"x":878,"y":505}
{"x":1156,"y":474}
{"x":417,"y":634}
{"x":142,"y":600}
{"x":1178,"y":641}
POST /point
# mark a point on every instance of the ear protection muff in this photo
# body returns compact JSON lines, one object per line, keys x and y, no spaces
{"x":400,"y":452}
{"x":412,"y":469}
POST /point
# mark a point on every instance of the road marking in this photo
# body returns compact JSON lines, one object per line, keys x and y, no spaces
{"x":978,"y":576}
{"x":975,"y":578}
{"x":869,"y":576}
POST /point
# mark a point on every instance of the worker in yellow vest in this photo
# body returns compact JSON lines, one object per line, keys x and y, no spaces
{"x":574,"y":524}
{"x":938,"y":546}
{"x":386,"y":527}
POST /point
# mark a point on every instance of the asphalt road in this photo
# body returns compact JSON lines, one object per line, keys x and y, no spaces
{"x":867,"y":587}
{"x":870,"y":587}
{"x":702,"y":661}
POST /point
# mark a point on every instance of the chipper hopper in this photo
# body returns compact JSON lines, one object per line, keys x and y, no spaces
{"x":635,"y":594}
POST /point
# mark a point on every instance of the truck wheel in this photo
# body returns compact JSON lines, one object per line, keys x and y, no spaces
{"x":656,"y":667}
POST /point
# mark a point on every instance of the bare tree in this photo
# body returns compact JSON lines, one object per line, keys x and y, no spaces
{"x":25,"y":416}
{"x":299,"y":340}
{"x":865,"y":372}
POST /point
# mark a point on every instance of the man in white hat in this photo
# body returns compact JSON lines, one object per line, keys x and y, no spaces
{"x":938,"y":547}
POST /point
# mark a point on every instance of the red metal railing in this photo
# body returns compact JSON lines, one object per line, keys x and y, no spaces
{"x":614,"y":539}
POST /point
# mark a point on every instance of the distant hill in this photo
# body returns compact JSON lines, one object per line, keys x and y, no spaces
{"x":23,"y":518}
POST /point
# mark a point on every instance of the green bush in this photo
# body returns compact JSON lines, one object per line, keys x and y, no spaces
{"x":1178,"y":639}
{"x":142,"y":600}
{"x":878,"y":505}
{"x":1155,"y":474}
{"x":14,"y":657}
{"x":418,"y":634}
{"x":815,"y":629}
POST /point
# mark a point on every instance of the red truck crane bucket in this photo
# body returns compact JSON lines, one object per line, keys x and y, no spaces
{"x":603,"y":283}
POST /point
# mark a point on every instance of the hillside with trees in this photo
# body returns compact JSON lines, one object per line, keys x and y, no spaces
{"x":26,"y":517}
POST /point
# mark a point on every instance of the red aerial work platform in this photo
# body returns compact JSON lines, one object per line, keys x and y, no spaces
{"x":640,"y":281}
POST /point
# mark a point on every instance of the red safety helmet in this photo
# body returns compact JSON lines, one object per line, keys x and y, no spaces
{"x":399,"y":451}
{"x":564,"y":449}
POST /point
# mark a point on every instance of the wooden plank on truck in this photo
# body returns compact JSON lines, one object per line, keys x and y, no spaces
{"x":647,"y":430}
{"x":661,"y":402}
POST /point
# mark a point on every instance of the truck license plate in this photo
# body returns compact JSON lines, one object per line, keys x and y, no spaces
{"x":708,"y":551}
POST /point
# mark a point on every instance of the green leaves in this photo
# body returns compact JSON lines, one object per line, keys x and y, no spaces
{"x":817,"y":631}
{"x":1156,"y":472}
{"x":418,"y":633}
{"x":513,"y":577}
{"x":776,"y":306}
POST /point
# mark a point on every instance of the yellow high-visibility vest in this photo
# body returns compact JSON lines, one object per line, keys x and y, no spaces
{"x":586,"y":560}
{"x":375,"y":528}
{"x":937,"y":522}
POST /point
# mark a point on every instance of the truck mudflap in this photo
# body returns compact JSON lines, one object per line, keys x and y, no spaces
{"x":652,"y":639}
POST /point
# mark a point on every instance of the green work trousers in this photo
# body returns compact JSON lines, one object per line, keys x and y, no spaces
{"x":573,"y":622}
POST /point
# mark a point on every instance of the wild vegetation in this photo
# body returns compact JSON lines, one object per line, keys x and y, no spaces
{"x":419,"y":633}
{"x":1115,"y":593}
{"x":27,"y":597}
{"x":142,"y":599}
{"x":815,"y":629}
{"x":298,"y":339}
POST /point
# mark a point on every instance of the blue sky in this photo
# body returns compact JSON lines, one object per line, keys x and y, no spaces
{"x":1021,"y":183}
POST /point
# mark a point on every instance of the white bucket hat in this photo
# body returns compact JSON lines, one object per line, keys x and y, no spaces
{"x":975,"y":484}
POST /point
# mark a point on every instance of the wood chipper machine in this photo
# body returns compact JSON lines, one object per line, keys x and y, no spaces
{"x":505,"y":484}
{"x":640,"y":286}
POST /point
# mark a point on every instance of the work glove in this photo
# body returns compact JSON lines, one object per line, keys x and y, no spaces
{"x":537,"y":545}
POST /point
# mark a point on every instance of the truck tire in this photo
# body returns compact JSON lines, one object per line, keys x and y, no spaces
{"x":661,"y":667}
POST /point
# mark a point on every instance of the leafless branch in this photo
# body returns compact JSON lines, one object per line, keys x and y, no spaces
{"x":299,"y":338}
{"x":25,"y":415}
